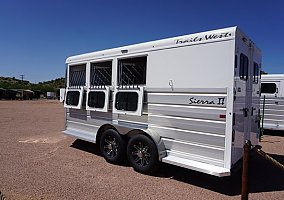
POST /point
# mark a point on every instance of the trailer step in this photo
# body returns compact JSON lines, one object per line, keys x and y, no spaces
{"x":81,"y":134}
{"x":198,"y":166}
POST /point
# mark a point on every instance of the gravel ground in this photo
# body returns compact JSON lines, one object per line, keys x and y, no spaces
{"x":38,"y":162}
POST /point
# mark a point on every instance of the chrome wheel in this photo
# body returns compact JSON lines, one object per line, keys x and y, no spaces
{"x":141,"y":154}
{"x":110,"y":146}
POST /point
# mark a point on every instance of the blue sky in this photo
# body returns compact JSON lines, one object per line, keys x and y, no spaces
{"x":36,"y":36}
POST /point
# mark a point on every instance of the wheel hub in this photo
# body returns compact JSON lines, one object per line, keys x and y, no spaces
{"x":140,"y":154}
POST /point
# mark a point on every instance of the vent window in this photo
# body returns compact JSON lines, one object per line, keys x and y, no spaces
{"x":126,"y":101}
{"x":255,"y":73}
{"x":243,"y":72}
{"x":269,"y":88}
{"x":96,"y":99}
{"x":72,"y":98}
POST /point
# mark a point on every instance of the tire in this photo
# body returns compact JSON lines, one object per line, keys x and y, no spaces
{"x":112,"y":146}
{"x":142,"y":154}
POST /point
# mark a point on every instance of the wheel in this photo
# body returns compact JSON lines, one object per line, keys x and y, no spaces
{"x":112,"y":146}
{"x":142,"y":154}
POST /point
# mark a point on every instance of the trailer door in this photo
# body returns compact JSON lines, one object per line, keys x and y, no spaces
{"x":249,"y":75}
{"x":244,"y":91}
{"x":242,"y":100}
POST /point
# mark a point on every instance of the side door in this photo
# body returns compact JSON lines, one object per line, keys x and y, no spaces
{"x":241,"y":101}
{"x":244,"y":88}
{"x":255,"y":107}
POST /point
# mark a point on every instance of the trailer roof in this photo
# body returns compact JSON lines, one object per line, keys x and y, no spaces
{"x":272,"y":76}
{"x":191,"y":39}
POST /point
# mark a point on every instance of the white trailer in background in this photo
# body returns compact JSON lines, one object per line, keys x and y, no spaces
{"x":190,"y":101}
{"x":61,"y":94}
{"x":272,"y":89}
{"x":50,"y":95}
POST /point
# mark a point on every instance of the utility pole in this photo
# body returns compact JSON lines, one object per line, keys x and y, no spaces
{"x":22,"y":77}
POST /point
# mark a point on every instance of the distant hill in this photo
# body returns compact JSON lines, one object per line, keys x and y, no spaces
{"x":46,"y":86}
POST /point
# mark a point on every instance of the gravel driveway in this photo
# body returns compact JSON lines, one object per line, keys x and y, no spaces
{"x":38,"y":162}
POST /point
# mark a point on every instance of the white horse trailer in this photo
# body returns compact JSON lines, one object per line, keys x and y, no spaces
{"x":190,"y":101}
{"x":272,"y":89}
{"x":61,"y":94}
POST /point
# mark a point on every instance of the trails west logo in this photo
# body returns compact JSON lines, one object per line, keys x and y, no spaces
{"x":204,"y":38}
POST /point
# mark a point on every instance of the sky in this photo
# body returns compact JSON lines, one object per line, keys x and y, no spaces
{"x":36,"y":36}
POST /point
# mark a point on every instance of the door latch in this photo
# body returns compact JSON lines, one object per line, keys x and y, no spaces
{"x":245,"y":111}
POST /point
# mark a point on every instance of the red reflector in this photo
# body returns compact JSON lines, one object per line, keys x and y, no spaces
{"x":222,"y":116}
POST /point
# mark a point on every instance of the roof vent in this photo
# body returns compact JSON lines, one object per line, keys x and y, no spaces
{"x":124,"y":51}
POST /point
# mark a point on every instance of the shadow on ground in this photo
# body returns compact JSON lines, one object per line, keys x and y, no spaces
{"x":264,"y":176}
{"x":86,"y":146}
{"x":91,"y":148}
{"x":273,"y":132}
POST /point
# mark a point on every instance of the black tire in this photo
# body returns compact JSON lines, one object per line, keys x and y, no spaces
{"x":142,"y":154}
{"x":112,"y":146}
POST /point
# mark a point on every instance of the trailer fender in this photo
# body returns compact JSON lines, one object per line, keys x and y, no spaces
{"x":155,"y":137}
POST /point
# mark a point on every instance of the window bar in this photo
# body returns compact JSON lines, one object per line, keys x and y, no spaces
{"x":123,"y":79}
{"x":130,"y":72}
{"x":74,"y":79}
{"x":70,"y":79}
{"x":93,"y":78}
{"x":137,"y":72}
{"x":103,"y":77}
{"x":78,"y":82}
{"x":77,"y":78}
{"x":83,"y":78}
{"x":107,"y":74}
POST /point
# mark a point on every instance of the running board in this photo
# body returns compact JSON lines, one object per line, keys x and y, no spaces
{"x":81,"y":135}
{"x":197,"y":166}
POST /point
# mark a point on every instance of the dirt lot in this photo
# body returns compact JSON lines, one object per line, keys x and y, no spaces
{"x":38,"y":162}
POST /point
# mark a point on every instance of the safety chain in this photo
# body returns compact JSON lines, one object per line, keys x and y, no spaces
{"x":2,"y":197}
{"x":267,"y":157}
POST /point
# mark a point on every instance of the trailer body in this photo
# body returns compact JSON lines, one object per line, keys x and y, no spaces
{"x":272,"y":89}
{"x":196,"y":97}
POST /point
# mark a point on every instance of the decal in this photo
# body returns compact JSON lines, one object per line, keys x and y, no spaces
{"x":204,"y":38}
{"x":196,"y":101}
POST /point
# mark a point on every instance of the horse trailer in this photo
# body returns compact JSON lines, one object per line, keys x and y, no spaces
{"x":272,"y":93}
{"x":189,"y":101}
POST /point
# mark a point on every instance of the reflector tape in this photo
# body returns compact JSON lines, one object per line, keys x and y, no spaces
{"x":222,"y":116}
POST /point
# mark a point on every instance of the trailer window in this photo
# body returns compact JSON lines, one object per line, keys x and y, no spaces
{"x":269,"y":88}
{"x":96,"y":99}
{"x":255,"y":73}
{"x":127,"y":101}
{"x":132,"y":71}
{"x":77,"y":75}
{"x":101,"y":73}
{"x":72,"y":98}
{"x":243,"y":73}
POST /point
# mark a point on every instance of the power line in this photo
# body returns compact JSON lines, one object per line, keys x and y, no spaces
{"x":22,"y":77}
